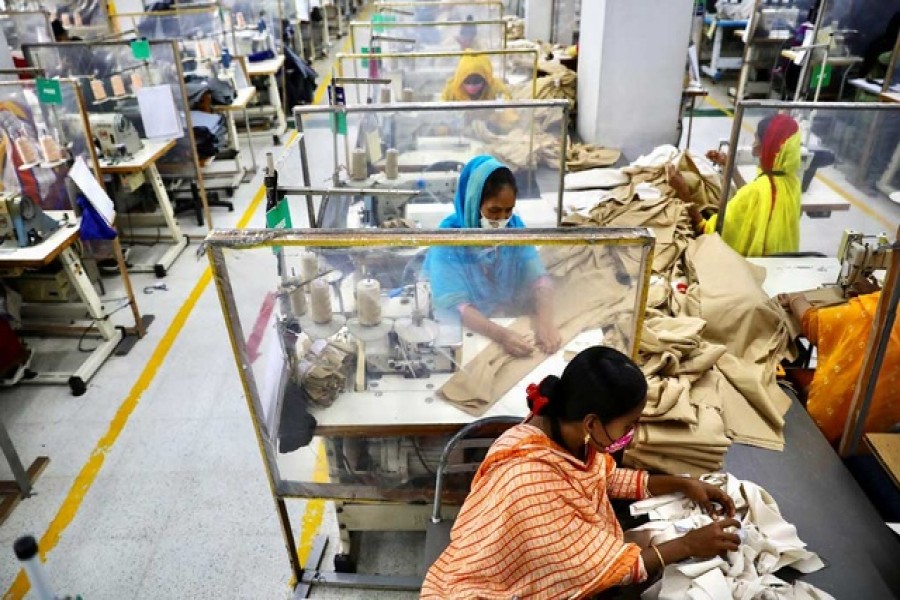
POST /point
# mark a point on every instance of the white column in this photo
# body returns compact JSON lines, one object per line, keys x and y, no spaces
{"x":538,"y":20}
{"x":631,"y":67}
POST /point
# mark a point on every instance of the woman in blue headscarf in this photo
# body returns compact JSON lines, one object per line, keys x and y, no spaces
{"x":482,"y":282}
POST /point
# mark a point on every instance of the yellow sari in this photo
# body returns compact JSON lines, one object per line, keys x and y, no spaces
{"x":840,"y":334}
{"x":754,"y":224}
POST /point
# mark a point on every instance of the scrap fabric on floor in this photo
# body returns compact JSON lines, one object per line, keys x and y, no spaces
{"x":768,"y":544}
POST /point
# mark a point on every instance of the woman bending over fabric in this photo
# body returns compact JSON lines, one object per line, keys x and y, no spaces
{"x":763,"y":217}
{"x":481,"y":282}
{"x":840,"y":334}
{"x":538,"y":522}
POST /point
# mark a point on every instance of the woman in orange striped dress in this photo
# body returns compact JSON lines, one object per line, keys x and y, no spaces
{"x":538,"y":522}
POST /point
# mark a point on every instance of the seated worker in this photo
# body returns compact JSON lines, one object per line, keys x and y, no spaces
{"x":473,"y":80}
{"x":468,"y":35}
{"x":840,"y":334}
{"x":538,"y":522}
{"x":763,"y":217}
{"x":486,"y":281}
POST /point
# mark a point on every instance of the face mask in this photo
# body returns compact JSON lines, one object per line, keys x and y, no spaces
{"x":493,"y":223}
{"x":473,"y":89}
{"x":621,"y":443}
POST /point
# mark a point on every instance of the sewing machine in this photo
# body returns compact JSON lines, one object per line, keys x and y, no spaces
{"x":115,"y":135}
{"x":860,"y":258}
{"x":435,"y":187}
{"x":23,"y":219}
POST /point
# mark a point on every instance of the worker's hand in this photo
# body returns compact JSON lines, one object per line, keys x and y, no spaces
{"x":785,"y":300}
{"x":712,"y":499}
{"x":677,"y":182}
{"x":713,"y":540}
{"x":515,"y":344}
{"x":717,"y":157}
{"x":547,"y":337}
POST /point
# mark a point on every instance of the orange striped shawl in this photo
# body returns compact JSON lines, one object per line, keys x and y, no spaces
{"x":538,"y":523}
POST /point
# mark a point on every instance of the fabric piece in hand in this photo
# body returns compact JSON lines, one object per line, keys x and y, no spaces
{"x":587,"y":296}
{"x":769,"y":543}
{"x":538,"y":523}
{"x":841,"y":334}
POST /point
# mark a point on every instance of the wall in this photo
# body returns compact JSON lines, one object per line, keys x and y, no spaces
{"x":631,"y":69}
{"x":538,"y":19}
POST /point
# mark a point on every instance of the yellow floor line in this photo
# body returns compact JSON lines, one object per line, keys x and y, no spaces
{"x":91,"y":469}
{"x":834,"y":187}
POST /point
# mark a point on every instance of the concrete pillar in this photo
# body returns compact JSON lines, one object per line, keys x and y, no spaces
{"x":631,"y":66}
{"x":538,"y":20}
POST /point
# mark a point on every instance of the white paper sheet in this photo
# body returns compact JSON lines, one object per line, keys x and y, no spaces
{"x":158,"y":112}
{"x":83,"y":177}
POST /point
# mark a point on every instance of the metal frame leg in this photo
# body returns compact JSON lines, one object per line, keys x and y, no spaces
{"x":250,"y":141}
{"x":15,"y":463}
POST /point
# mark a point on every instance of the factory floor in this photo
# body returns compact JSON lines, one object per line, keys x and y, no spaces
{"x":156,"y":487}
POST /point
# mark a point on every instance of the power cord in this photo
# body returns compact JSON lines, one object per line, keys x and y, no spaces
{"x":87,"y":329}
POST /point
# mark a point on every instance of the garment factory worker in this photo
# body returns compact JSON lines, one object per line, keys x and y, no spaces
{"x":473,"y":80}
{"x":538,"y":522}
{"x":468,"y":35}
{"x":481,"y":282}
{"x":763,"y":217}
{"x":840,"y":334}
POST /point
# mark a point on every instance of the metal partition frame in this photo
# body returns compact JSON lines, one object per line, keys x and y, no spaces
{"x":530,"y":54}
{"x":407,"y":8}
{"x":176,"y":79}
{"x":309,"y":192}
{"x":18,"y":18}
{"x":265,"y":242}
{"x":387,"y":31}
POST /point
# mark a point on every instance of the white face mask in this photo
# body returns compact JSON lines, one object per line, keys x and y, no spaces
{"x":493,"y":223}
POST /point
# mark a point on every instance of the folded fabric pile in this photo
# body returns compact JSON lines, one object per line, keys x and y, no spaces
{"x":712,"y":338}
{"x":768,"y":544}
{"x":210,"y":133}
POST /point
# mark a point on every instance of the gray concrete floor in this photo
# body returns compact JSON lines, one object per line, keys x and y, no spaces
{"x":175,"y":503}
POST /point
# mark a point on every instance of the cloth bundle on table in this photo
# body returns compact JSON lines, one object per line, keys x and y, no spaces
{"x":588,"y":296}
{"x":320,"y":367}
{"x":768,"y":544}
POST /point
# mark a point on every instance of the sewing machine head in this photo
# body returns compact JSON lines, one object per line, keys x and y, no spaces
{"x":23,"y":220}
{"x":115,"y":135}
{"x":860,"y":257}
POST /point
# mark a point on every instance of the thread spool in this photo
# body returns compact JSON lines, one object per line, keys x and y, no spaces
{"x":320,"y":301}
{"x":423,"y":297}
{"x":298,"y":298}
{"x":309,"y":265}
{"x":358,"y":169}
{"x":392,"y":164}
{"x":98,"y":90}
{"x":407,"y":95}
{"x":118,"y":86}
{"x":27,"y":150}
{"x":79,"y":21}
{"x":368,"y":302}
{"x":137,"y":82}
{"x":385,"y":95}
{"x":51,"y":150}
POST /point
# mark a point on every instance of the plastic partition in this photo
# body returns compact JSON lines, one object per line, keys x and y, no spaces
{"x":22,"y":28}
{"x":42,"y":141}
{"x":847,"y":155}
{"x":432,"y":142}
{"x":423,"y":37}
{"x":426,"y":75}
{"x":354,"y":365}
{"x":97,"y":65}
{"x":429,"y":11}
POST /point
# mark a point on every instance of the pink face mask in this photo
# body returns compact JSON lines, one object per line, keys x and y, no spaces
{"x":473,"y":89}
{"x":621,"y":443}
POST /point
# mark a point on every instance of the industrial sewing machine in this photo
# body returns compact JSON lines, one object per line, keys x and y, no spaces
{"x":115,"y":135}
{"x":23,"y":220}
{"x":861,"y":258}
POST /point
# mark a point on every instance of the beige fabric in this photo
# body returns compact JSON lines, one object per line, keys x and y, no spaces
{"x":587,"y":296}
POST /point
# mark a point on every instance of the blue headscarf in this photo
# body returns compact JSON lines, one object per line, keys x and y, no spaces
{"x":486,"y":277}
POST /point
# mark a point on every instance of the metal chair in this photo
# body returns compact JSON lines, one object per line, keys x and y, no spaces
{"x":437,"y":531}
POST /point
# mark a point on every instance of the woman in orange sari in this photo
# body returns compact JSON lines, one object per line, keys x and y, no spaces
{"x":840,"y":334}
{"x":538,"y":522}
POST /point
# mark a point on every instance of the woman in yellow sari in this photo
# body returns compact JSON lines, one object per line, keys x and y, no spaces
{"x":538,"y":522}
{"x":763,"y":217}
{"x":840,"y":334}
